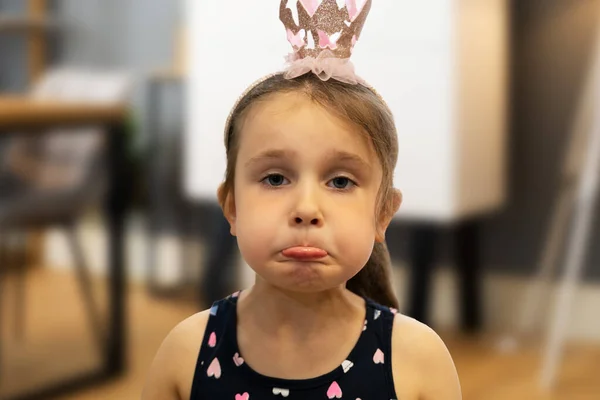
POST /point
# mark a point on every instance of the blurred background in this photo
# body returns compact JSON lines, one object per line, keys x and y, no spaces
{"x":110,"y":233}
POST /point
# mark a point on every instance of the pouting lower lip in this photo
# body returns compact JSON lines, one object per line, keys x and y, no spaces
{"x":304,"y":253}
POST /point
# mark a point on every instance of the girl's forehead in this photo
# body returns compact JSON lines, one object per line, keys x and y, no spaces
{"x":281,"y":106}
{"x":294,"y":116}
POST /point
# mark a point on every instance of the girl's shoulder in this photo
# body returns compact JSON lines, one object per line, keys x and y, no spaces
{"x":172,"y":371}
{"x":421,"y":363}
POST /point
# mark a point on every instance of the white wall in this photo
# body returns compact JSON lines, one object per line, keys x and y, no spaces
{"x":227,"y":52}
{"x":408,"y":51}
{"x":481,"y":70}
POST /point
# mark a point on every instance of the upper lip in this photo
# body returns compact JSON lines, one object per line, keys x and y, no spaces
{"x":306,"y":244}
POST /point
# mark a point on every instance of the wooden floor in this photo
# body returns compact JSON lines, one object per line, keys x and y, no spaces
{"x":58,"y":342}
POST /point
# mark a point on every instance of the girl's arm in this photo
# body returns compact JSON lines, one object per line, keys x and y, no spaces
{"x":172,"y":371}
{"x":422,"y":366}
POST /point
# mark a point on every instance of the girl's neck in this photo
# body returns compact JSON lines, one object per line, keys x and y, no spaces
{"x":277,"y":310}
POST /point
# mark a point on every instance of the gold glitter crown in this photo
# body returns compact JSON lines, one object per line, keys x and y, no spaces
{"x":324,"y":25}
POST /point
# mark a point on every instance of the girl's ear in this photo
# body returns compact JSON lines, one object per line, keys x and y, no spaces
{"x":390,"y":207}
{"x":227,"y":202}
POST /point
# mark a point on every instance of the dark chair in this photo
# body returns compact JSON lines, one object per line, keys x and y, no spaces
{"x":51,"y":179}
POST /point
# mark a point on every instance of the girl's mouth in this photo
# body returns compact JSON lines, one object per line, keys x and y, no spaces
{"x":304,"y":253}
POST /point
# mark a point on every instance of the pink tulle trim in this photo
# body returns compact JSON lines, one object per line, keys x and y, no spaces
{"x":326,"y":66}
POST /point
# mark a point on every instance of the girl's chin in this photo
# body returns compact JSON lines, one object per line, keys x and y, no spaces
{"x":304,"y":277}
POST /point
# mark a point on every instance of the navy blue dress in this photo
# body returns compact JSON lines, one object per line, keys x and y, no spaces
{"x":222,"y":374}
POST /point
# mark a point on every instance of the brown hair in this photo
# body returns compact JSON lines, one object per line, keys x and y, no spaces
{"x":366,"y":110}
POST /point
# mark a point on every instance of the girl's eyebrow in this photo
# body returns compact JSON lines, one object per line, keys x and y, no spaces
{"x":333,"y":156}
{"x":350,"y":158}
{"x":271,"y":154}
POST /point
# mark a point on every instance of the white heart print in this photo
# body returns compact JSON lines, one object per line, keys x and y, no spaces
{"x":282,"y":392}
{"x":346,"y":365}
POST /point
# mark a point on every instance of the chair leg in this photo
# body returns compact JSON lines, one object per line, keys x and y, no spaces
{"x":2,"y":273}
{"x":84,"y":279}
{"x":588,"y":190}
{"x":468,"y":263}
{"x":529,"y":315}
{"x":576,"y":253}
{"x":20,"y":264}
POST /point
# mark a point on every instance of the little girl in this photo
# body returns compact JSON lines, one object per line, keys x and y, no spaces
{"x":308,"y":193}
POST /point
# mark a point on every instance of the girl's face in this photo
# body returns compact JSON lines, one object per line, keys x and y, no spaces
{"x":305,"y":195}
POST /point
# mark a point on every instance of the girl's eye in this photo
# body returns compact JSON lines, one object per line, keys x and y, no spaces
{"x":275,"y":180}
{"x":342,"y":182}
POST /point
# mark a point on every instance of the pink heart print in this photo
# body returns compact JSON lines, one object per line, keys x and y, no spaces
{"x":326,"y":40}
{"x":378,"y":357}
{"x":212,"y":340}
{"x":214,"y":369}
{"x":237,"y":359}
{"x":244,"y":396}
{"x":334,"y":392}
{"x":296,"y":40}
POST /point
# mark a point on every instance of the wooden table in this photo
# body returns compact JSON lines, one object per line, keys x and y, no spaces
{"x":24,"y":116}
{"x":23,"y":112}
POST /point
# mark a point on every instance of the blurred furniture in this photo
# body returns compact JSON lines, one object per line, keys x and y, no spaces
{"x":221,"y":260}
{"x":58,"y":176}
{"x":29,"y":117}
{"x":465,"y":245}
{"x":447,"y":85}
{"x":171,"y":217}
{"x":34,"y":25}
{"x":165,"y":203}
{"x":585,"y":201}
{"x":570,"y":226}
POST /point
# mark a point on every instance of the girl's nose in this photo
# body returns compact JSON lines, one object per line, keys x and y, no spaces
{"x":308,"y":221}
{"x":307,"y":211}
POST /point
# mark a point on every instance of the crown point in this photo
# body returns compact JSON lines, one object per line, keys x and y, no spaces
{"x":334,"y":24}
{"x":355,"y":9}
{"x":311,"y":6}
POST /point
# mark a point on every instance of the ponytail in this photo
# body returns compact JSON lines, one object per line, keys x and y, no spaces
{"x":374,"y":280}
